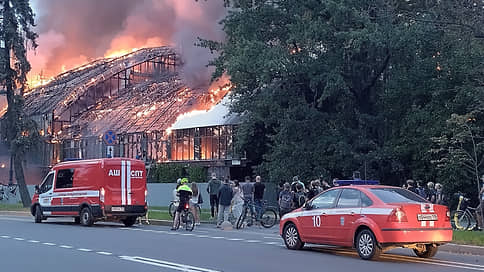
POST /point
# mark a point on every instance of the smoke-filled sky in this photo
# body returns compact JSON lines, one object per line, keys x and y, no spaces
{"x":73,"y":32}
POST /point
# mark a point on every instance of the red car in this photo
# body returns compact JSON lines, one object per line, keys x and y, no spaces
{"x":370,"y":218}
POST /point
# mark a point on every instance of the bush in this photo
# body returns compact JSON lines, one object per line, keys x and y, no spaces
{"x":169,"y":173}
{"x":197,"y":174}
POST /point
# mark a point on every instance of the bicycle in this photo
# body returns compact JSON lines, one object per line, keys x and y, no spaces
{"x":464,"y":218}
{"x":267,"y":219}
{"x":174,"y":205}
{"x":187,"y":218}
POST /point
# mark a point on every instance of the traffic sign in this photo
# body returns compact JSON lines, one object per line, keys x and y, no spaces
{"x":109,"y":137}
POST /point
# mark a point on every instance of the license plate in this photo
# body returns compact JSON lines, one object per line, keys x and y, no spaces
{"x":427,"y":217}
{"x":117,"y":209}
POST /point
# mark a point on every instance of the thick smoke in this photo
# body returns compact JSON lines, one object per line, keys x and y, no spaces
{"x":73,"y":32}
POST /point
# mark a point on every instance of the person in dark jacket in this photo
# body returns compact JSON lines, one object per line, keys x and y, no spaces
{"x":411,"y":186}
{"x":225,"y":195}
{"x":212,"y":189}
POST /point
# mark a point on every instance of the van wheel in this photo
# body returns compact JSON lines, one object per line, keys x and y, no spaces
{"x":429,"y":252}
{"x":129,"y":221}
{"x":77,"y":220}
{"x":38,"y":214}
{"x":291,"y":237}
{"x":367,"y":246}
{"x":86,"y":217}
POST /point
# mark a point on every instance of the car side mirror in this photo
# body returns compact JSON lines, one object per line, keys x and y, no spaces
{"x":37,"y":189}
{"x":308,"y":206}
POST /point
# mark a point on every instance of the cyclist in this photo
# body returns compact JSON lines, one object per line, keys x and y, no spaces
{"x":184,"y":193}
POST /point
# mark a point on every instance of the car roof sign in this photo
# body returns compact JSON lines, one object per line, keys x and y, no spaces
{"x":357,"y":182}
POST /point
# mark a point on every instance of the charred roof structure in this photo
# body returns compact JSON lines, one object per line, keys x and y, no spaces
{"x":126,"y":107}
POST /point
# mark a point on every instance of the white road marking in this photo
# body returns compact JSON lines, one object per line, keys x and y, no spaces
{"x":19,"y":239}
{"x":217,"y":237}
{"x":274,"y":238}
{"x":252,"y":241}
{"x":64,"y":246}
{"x":271,"y":243}
{"x":235,"y":239}
{"x":202,"y":236}
{"x":84,"y":249}
{"x":187,"y":234}
{"x":49,"y":244}
{"x":5,"y":236}
{"x":33,"y":241}
{"x":165,"y":264}
{"x":104,"y":253}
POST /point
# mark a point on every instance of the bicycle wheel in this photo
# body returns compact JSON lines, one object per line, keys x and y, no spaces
{"x":268,"y":218}
{"x":189,"y":221}
{"x":241,"y":219}
{"x":171,"y":209}
{"x":460,"y":220}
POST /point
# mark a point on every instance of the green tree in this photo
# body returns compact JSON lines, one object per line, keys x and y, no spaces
{"x":16,"y":31}
{"x":459,"y":153}
{"x":329,"y":87}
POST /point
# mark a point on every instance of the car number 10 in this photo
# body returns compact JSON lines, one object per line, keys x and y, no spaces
{"x":316,"y":221}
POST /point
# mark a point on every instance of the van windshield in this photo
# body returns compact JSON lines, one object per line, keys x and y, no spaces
{"x":397,"y":195}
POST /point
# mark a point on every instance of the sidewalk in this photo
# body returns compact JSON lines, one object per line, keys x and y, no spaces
{"x":450,"y":247}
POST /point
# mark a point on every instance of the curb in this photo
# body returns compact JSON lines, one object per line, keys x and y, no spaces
{"x":463,"y":249}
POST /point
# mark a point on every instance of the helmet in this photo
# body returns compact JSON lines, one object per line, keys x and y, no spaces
{"x":184,"y":181}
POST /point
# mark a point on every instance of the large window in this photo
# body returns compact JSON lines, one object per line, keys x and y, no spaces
{"x":209,"y":143}
{"x":64,"y":178}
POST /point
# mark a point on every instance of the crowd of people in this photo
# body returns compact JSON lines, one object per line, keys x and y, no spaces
{"x":294,"y":195}
{"x":433,"y":192}
{"x":226,"y":197}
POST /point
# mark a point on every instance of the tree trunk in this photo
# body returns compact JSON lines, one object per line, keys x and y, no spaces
{"x":19,"y":175}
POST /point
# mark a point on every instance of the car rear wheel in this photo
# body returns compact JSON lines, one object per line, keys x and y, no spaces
{"x":292,"y":238}
{"x":129,"y":221}
{"x":367,"y":246}
{"x":86,"y":217}
{"x":429,"y":251}
{"x":38,"y":214}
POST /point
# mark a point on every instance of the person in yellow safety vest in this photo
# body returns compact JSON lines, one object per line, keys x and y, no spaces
{"x":184,"y":193}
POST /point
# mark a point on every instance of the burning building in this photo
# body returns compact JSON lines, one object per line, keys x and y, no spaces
{"x":136,"y":106}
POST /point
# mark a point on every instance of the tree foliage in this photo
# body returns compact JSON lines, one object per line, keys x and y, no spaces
{"x":329,"y":87}
{"x":15,"y":33}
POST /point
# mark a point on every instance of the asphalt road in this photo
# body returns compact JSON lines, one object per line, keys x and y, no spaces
{"x":59,"y":245}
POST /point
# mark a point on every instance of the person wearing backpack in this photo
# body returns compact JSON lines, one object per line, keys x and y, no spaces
{"x":299,"y":196}
{"x":285,"y":199}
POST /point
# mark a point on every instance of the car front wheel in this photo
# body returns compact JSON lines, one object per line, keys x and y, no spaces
{"x":38,"y":214}
{"x":367,"y":246}
{"x":429,"y":251}
{"x":291,"y":237}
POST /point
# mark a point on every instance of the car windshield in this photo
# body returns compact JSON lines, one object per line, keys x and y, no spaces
{"x":396,"y":195}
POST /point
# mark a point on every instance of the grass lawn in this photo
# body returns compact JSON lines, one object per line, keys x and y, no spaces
{"x":13,"y":207}
{"x":469,"y":237}
{"x":161,"y":213}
